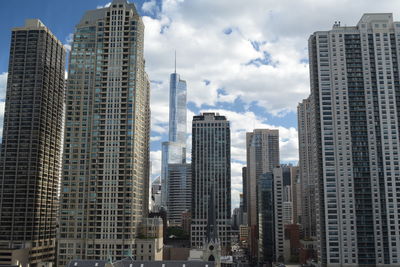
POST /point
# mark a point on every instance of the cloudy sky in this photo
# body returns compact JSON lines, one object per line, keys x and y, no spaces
{"x":247,"y":60}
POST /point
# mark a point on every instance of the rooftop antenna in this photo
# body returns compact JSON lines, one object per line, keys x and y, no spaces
{"x":175,"y":61}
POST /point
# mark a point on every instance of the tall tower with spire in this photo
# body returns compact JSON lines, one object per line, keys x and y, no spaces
{"x":105,"y":181}
{"x":174,"y":151}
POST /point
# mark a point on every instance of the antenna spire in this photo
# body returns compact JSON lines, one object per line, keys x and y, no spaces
{"x":175,"y":61}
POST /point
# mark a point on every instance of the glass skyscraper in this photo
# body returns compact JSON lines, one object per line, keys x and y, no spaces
{"x":174,"y":151}
{"x":177,"y":109}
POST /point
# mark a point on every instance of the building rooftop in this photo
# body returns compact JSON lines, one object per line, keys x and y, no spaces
{"x":132,"y":263}
{"x":209,"y":116}
{"x":87,"y":263}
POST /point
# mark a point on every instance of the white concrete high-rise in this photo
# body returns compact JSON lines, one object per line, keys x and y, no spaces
{"x":279,"y":235}
{"x":307,"y":178}
{"x":105,"y":181}
{"x":355,"y":141}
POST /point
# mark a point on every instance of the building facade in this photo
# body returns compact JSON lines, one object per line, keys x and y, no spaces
{"x":105,"y":181}
{"x":149,"y":240}
{"x":266,"y":222}
{"x":354,"y":100}
{"x":262,"y":156}
{"x":211,"y":168}
{"x":180,"y":192}
{"x":308,"y":219}
{"x":30,"y":161}
{"x":174,"y":151}
{"x":155,"y":204}
{"x":279,"y":235}
{"x":297,"y":194}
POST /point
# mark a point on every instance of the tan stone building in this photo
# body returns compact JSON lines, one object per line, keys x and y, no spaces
{"x":105,"y":181}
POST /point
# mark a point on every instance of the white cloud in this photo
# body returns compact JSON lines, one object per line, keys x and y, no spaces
{"x":3,"y":89}
{"x":155,"y":159}
{"x":68,"y":42}
{"x":104,"y":6}
{"x":150,"y":7}
{"x":155,"y":138}
{"x":3,"y":85}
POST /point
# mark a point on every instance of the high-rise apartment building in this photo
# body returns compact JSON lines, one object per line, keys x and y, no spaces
{"x":307,"y":175}
{"x":262,"y":156}
{"x":180,"y":192}
{"x":30,"y":161}
{"x":105,"y":181}
{"x":355,"y":142}
{"x":297,"y":194}
{"x":174,"y":151}
{"x":279,"y":235}
{"x":243,"y":197}
{"x":211,"y":169}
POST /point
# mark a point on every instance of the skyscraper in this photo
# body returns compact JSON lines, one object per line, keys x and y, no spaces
{"x":297,"y":194}
{"x":307,"y":178}
{"x":262,"y":156}
{"x":211,"y":169}
{"x":30,"y":161}
{"x":266,"y":222}
{"x":355,"y":140}
{"x":279,"y":235}
{"x":243,"y":204}
{"x":174,"y":151}
{"x":177,"y":109}
{"x":180,"y":192}
{"x":105,"y":181}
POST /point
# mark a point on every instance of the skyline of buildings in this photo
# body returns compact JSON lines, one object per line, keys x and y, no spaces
{"x":341,"y":200}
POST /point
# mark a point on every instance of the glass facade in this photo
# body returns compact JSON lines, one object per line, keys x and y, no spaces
{"x":265,"y":218}
{"x":174,"y":151}
{"x":177,"y":109}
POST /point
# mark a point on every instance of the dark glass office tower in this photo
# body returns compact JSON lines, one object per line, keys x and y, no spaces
{"x":30,"y":161}
{"x":211,"y":167}
{"x":265,"y":213}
